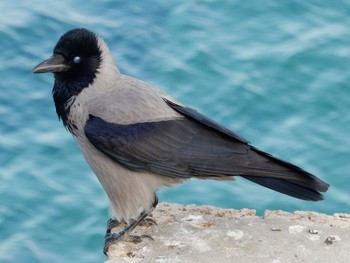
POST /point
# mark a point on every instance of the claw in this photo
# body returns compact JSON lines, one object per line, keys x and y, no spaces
{"x":111,"y":239}
{"x":148,"y":221}
{"x":112,"y":223}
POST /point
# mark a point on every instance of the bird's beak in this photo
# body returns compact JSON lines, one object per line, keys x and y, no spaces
{"x":56,"y":63}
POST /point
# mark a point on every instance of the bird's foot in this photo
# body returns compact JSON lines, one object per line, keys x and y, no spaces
{"x":112,"y":238}
{"x":112,"y":223}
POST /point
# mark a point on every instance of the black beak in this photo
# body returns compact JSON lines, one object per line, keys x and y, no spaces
{"x":56,"y":63}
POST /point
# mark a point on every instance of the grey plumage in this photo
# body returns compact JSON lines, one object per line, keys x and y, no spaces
{"x":137,"y":139}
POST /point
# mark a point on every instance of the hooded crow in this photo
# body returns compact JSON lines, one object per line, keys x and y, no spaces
{"x":138,"y":139}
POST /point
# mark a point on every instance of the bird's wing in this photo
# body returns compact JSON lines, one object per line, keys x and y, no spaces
{"x":180,"y":148}
{"x":196,"y":146}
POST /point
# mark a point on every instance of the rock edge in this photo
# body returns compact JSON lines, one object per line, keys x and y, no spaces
{"x":208,"y":234}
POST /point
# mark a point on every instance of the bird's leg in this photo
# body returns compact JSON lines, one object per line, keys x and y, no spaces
{"x":114,"y":237}
{"x":148,"y":221}
{"x":155,"y":202}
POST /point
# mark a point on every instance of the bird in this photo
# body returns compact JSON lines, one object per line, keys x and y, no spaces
{"x":138,"y":139}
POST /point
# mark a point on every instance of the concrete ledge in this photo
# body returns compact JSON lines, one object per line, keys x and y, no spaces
{"x":209,"y":234}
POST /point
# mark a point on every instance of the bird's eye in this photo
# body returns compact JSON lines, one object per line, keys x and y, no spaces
{"x":76,"y":60}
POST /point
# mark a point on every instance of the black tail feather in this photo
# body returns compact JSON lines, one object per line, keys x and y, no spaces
{"x":317,"y":184}
{"x":287,"y":187}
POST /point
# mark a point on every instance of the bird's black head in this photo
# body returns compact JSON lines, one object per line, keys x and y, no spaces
{"x":76,"y":58}
{"x":75,"y":62}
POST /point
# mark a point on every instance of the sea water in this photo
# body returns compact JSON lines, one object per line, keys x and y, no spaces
{"x":275,"y":72}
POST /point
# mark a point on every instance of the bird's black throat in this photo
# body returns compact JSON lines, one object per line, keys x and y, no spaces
{"x":64,"y":93}
{"x":69,"y":84}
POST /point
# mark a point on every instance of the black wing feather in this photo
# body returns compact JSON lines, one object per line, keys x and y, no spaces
{"x":176,"y":148}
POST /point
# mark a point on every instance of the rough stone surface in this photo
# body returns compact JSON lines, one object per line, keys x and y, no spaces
{"x":209,"y":234}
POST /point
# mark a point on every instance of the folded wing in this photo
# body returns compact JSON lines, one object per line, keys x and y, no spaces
{"x":196,"y":146}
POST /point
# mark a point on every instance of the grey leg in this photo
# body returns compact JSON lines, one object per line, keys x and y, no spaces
{"x":111,"y":238}
{"x":114,"y":237}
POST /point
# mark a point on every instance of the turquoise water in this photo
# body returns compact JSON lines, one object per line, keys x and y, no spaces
{"x":276,"y":72}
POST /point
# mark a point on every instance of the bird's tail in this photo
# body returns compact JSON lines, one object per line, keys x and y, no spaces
{"x":283,"y":177}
